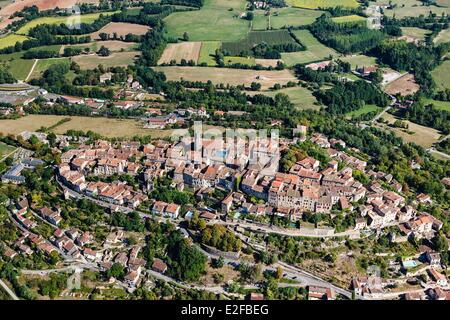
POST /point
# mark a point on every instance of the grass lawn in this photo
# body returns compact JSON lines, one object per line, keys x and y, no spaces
{"x":207,"y":52}
{"x":441,"y":75}
{"x":242,"y":60}
{"x":301,"y":97}
{"x":5,"y":150}
{"x":316,"y":4}
{"x":359,"y":60}
{"x":315,"y":50}
{"x":214,"y":21}
{"x":84,"y":18}
{"x":44,"y":64}
{"x":281,"y":17}
{"x":443,"y":36}
{"x":441,"y":105}
{"x":366,"y":109}
{"x":346,"y":19}
{"x":416,"y":33}
{"x":11,"y":40}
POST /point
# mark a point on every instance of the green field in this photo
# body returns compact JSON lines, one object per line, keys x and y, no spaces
{"x":214,"y":21}
{"x":53,"y":48}
{"x":11,"y":40}
{"x":366,"y":109}
{"x":284,"y":17}
{"x":441,"y":75}
{"x":273,"y":37}
{"x":416,"y":33}
{"x":316,"y":4}
{"x":85,"y":18}
{"x":359,"y":60}
{"x":44,"y":64}
{"x":16,"y":65}
{"x":347,"y":19}
{"x":301,"y":97}
{"x":207,"y":52}
{"x":20,"y":68}
{"x":5,"y":150}
{"x":441,"y":105}
{"x":442,"y":37}
{"x":242,"y":60}
{"x":315,"y":50}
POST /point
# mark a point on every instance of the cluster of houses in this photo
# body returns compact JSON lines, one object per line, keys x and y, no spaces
{"x":14,"y":174}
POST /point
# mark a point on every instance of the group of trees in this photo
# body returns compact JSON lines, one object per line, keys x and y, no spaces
{"x":345,"y":97}
{"x":193,"y":3}
{"x":407,"y":56}
{"x":54,"y":80}
{"x":218,"y":236}
{"x":428,"y":116}
{"x":345,"y":37}
{"x":6,"y":76}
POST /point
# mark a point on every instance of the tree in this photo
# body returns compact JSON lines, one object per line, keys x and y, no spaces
{"x":255,"y":86}
{"x":117,"y":271}
{"x":279,"y":274}
{"x":104,"y":52}
{"x":185,"y":36}
{"x":218,"y":263}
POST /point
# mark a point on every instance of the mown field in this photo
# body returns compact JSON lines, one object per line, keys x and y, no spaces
{"x":415,"y":33}
{"x":250,"y":61}
{"x":121,"y":29}
{"x":412,"y":8}
{"x":405,"y":85}
{"x":348,"y":19}
{"x":301,"y":97}
{"x":441,"y":75}
{"x":112,"y":45}
{"x":316,"y":4}
{"x":44,"y":64}
{"x":207,"y":52}
{"x":71,"y":20}
{"x":181,"y":51}
{"x":284,"y":17}
{"x":11,"y":40}
{"x":441,"y":105}
{"x":116,"y":59}
{"x":315,"y":50}
{"x":366,"y":109}
{"x":442,"y":37}
{"x":359,"y":60}
{"x":214,"y":21}
{"x":272,"y":37}
{"x":228,"y":76}
{"x":107,"y":127}
{"x":420,"y":135}
{"x":5,"y":150}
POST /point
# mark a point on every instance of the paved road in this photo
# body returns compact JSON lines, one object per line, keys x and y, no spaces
{"x":8,"y":290}
{"x":378,"y":116}
{"x":433,"y":150}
